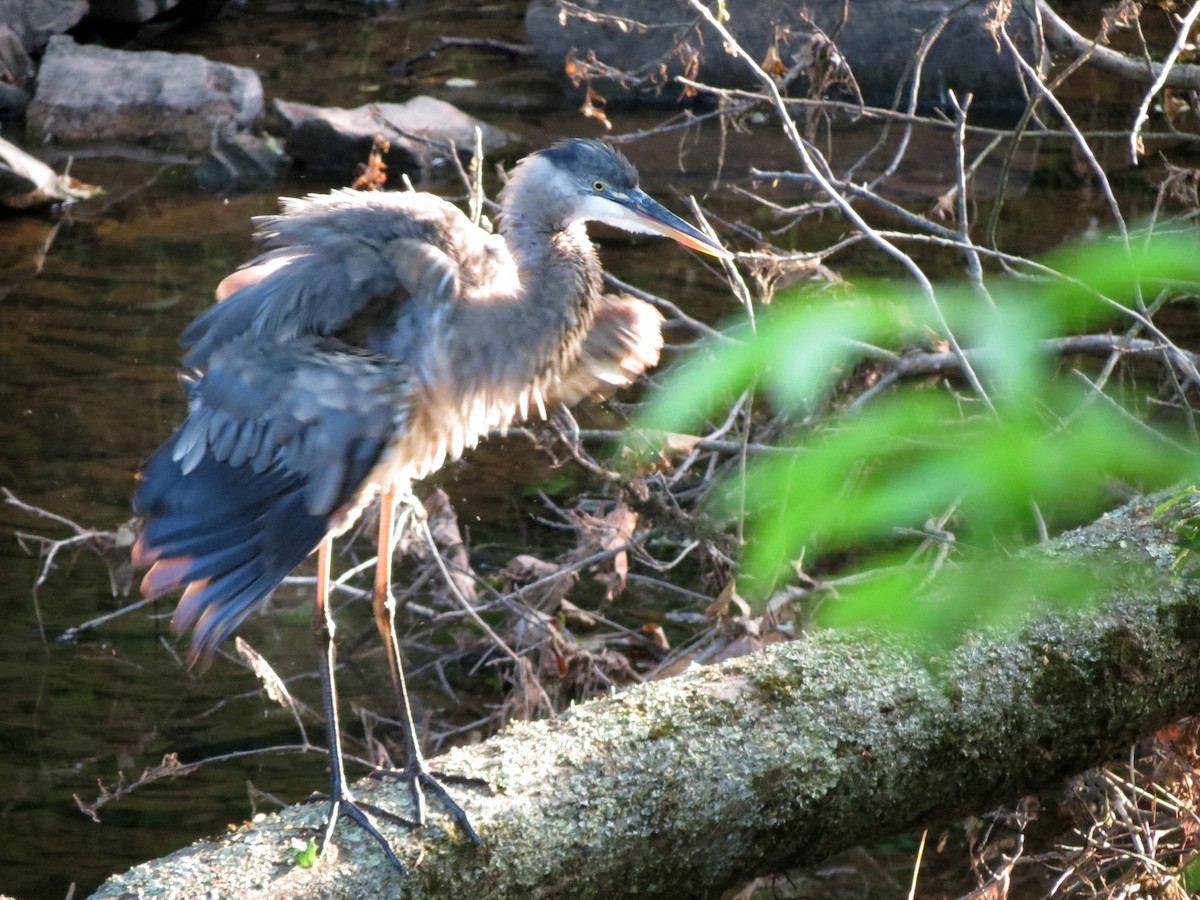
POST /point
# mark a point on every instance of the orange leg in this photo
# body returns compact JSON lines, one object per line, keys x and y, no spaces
{"x":341,"y":801}
{"x":382,"y":601}
{"x":384,"y":606}
{"x":415,"y":770}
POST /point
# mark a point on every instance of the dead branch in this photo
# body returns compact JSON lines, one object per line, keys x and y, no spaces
{"x":916,"y":364}
{"x":684,"y":786}
{"x":1178,"y":75}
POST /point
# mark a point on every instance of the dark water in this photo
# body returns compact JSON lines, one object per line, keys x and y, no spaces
{"x":87,"y":390}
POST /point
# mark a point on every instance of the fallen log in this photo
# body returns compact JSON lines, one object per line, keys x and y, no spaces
{"x":688,"y":785}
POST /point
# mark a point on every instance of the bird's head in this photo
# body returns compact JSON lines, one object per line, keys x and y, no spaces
{"x":587,"y":181}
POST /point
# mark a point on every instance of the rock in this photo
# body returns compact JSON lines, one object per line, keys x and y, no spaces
{"x":139,"y":11}
{"x":877,"y":41}
{"x":13,"y":101}
{"x":16,"y":68}
{"x":239,"y":162}
{"x":170,"y":101}
{"x":36,"y":21}
{"x":335,"y":141}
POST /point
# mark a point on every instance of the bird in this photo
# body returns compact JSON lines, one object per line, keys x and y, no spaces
{"x":379,"y":335}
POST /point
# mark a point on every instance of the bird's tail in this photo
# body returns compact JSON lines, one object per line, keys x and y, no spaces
{"x":226,"y":534}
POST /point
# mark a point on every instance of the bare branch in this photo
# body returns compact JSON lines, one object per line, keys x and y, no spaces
{"x":1186,"y":77}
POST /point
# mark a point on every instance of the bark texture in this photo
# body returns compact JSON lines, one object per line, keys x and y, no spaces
{"x":682,"y":787}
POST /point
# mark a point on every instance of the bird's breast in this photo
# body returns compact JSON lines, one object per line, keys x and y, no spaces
{"x":441,"y":425}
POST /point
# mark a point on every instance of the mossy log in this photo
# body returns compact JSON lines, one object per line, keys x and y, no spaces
{"x":688,"y":785}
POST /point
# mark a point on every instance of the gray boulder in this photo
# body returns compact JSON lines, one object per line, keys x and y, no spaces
{"x":36,"y":21}
{"x":654,"y":42}
{"x":175,"y":102}
{"x":334,"y":141}
{"x":129,"y":10}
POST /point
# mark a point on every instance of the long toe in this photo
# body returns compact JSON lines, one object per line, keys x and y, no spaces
{"x":420,"y":777}
{"x":361,"y":814}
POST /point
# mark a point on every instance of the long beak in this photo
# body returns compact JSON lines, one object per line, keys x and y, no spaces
{"x":653,"y":216}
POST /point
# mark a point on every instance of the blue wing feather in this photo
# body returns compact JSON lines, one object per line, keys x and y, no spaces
{"x":228,"y":533}
{"x":285,"y":422}
{"x":330,"y":257}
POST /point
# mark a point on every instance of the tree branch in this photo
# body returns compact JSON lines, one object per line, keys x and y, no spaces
{"x":1178,"y":75}
{"x":684,"y":786}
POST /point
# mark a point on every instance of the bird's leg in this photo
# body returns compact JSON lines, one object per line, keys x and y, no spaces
{"x":382,"y":601}
{"x":384,"y":605}
{"x":416,"y":772}
{"x":341,"y":801}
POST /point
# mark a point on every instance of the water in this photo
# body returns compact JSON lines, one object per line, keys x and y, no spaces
{"x":88,"y":390}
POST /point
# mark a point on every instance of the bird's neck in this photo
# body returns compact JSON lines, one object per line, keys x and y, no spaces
{"x":501,"y":356}
{"x":561,"y":282}
{"x":561,"y":257}
{"x":540,"y":224}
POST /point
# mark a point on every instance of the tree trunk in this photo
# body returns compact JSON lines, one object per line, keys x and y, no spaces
{"x":688,"y":785}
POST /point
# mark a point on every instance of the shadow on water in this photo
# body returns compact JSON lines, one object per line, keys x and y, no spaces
{"x":89,"y":311}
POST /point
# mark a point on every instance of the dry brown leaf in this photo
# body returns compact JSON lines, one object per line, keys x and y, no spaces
{"x":372,"y":174}
{"x":443,"y":525}
{"x":719,"y":608}
{"x":592,"y":109}
{"x":606,"y":533}
{"x":655,"y":632}
{"x":542,"y":584}
{"x":943,"y":208}
{"x":773,"y":65}
{"x":577,"y":616}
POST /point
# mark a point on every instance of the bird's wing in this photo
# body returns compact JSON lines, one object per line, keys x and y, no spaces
{"x":275,"y":449}
{"x":335,"y":256}
{"x":625,"y":339}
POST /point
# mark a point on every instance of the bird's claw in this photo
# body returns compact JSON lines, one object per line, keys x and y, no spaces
{"x":360,"y":813}
{"x":418,"y":775}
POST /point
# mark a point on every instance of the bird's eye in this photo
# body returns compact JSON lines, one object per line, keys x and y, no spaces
{"x":598,"y":187}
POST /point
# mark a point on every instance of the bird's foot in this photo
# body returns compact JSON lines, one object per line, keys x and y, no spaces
{"x":419,"y":776}
{"x":344,"y":804}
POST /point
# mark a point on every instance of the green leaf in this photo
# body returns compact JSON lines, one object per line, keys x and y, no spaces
{"x":306,"y":858}
{"x":1189,"y":874}
{"x":859,"y":483}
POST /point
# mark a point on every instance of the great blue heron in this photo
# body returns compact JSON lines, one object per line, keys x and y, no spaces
{"x":379,"y":335}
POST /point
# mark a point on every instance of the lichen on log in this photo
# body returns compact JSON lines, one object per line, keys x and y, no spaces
{"x":685,"y":786}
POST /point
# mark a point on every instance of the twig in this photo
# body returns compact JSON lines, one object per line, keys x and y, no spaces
{"x":1181,"y":39}
{"x":877,"y":113}
{"x":974,"y":266}
{"x":73,"y":633}
{"x":51,"y":547}
{"x":808,"y":156}
{"x":670,"y":308}
{"x":1186,"y":77}
{"x":917,"y":364}
{"x":912,"y":890}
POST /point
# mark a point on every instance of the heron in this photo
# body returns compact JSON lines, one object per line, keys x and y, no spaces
{"x":379,"y":335}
